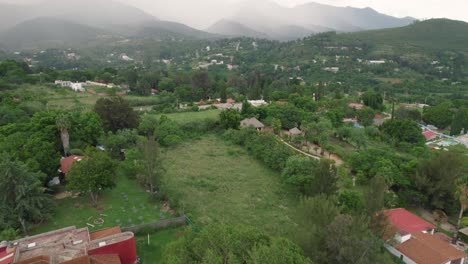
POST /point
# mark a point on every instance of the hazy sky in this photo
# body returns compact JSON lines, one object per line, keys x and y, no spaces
{"x":200,"y":13}
{"x":422,"y":9}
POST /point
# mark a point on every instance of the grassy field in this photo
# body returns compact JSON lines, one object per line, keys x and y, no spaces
{"x":125,"y":205}
{"x":213,"y":181}
{"x":185,"y":117}
{"x":152,"y":252}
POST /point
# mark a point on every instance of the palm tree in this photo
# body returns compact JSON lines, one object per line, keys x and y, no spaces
{"x":63,"y":124}
{"x":461,"y":193}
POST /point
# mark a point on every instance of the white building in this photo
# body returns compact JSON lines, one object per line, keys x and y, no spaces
{"x":77,"y":87}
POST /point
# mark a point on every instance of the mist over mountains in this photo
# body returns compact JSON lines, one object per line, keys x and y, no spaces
{"x":59,"y":21}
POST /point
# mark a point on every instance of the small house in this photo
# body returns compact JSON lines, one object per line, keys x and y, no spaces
{"x":252,"y":122}
{"x":66,"y":163}
{"x":294,"y":132}
{"x":429,"y":135}
{"x":412,"y":240}
{"x":356,"y":106}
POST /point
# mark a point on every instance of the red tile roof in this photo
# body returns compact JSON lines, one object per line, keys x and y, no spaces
{"x":66,"y":163}
{"x":429,"y":135}
{"x":6,"y":256}
{"x":428,"y":249}
{"x":406,"y":222}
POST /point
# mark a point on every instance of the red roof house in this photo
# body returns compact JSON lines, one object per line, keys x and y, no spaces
{"x":66,"y":163}
{"x":414,"y":240}
{"x":429,"y":135}
{"x":72,"y":246}
{"x":230,"y":101}
{"x":406,"y":222}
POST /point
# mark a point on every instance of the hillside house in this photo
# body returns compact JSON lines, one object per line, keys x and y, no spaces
{"x":72,"y":246}
{"x":429,"y":135}
{"x":66,"y":163}
{"x":76,"y":87}
{"x":252,"y":122}
{"x":294,"y":132}
{"x":412,"y":239}
{"x":356,"y":106}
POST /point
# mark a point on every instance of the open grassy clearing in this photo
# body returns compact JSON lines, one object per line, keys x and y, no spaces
{"x":152,"y":252}
{"x":212,"y":181}
{"x":186,"y":117}
{"x":125,"y":205}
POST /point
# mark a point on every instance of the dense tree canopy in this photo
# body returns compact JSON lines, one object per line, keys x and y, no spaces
{"x":116,"y":113}
{"x":22,"y":197}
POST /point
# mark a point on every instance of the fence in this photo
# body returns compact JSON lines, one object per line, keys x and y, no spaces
{"x":158,"y":225}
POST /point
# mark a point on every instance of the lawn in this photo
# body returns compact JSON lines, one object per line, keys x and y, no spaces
{"x":125,"y":205}
{"x":186,"y":117}
{"x":152,"y":252}
{"x":213,"y":181}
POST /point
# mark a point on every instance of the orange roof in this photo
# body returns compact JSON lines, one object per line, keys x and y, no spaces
{"x":104,"y":233}
{"x":428,"y":249}
{"x":66,"y":163}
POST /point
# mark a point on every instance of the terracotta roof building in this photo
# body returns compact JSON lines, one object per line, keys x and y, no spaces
{"x":429,"y":135}
{"x":406,"y":222}
{"x":412,"y":239}
{"x":72,"y":246}
{"x":66,"y":163}
{"x":428,"y":249}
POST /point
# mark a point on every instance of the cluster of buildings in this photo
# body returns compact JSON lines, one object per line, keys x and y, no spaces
{"x":414,"y":241}
{"x":77,"y":87}
{"x":72,"y":246}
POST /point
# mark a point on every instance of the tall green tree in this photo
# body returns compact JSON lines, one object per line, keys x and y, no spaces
{"x":461,"y":192}
{"x":373,"y":100}
{"x":460,"y":122}
{"x":324,"y":179}
{"x":22,"y":198}
{"x":63,"y":125}
{"x":230,"y":118}
{"x":439,"y":115}
{"x":116,"y":113}
{"x":312,"y":216}
{"x":349,"y":240}
{"x":151,"y":164}
{"x":365,"y":116}
{"x":92,"y":174}
{"x":402,"y":131}
{"x":436,"y":177}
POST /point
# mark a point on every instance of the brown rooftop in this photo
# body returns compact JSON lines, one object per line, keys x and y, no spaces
{"x":70,"y":245}
{"x":105,"y":233}
{"x":427,"y":249}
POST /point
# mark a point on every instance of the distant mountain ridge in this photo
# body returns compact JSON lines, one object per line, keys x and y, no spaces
{"x":285,"y":23}
{"x":78,"y":21}
{"x":234,"y":29}
{"x":433,"y":34}
{"x":48,"y":31}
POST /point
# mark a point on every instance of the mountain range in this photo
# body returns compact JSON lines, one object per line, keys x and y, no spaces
{"x":286,"y":23}
{"x":82,"y":21}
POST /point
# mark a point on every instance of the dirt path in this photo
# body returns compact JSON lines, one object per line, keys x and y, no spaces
{"x":300,"y":151}
{"x":311,"y":147}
